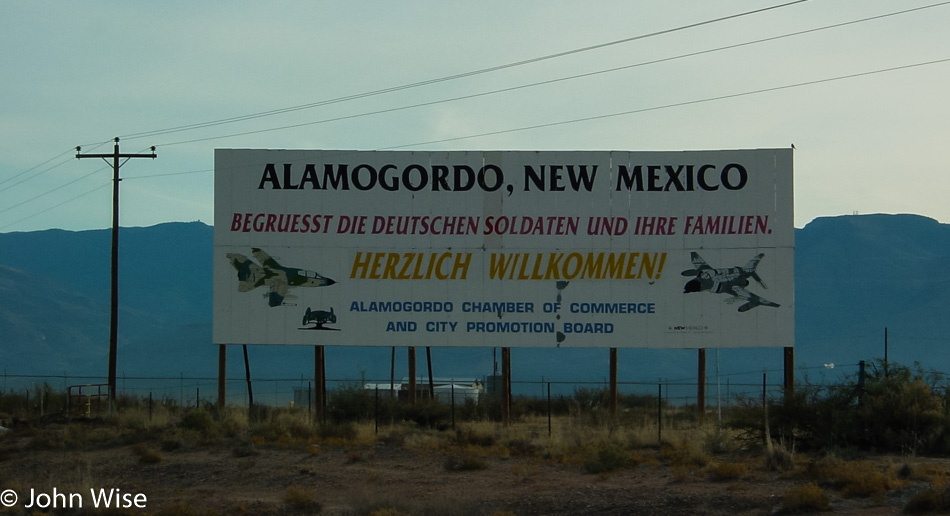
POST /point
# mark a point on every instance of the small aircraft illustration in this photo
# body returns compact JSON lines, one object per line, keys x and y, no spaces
{"x":277,"y":278}
{"x":732,"y":281}
{"x":318,"y":318}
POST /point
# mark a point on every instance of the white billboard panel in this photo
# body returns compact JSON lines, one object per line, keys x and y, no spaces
{"x":506,"y":248}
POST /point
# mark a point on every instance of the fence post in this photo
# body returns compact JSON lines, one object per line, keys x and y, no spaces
{"x":765,"y":410}
{"x":659,"y":412}
{"x":861,"y":373}
{"x":453,"y":403}
{"x":549,"y":409}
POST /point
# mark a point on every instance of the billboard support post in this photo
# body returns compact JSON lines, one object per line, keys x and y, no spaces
{"x":247,"y":378}
{"x":392,"y":374}
{"x":222,"y":374}
{"x":412,"y":375}
{"x":429,"y":364}
{"x":319,"y":379}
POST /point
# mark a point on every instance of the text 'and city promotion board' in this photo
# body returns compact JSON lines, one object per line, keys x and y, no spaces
{"x":504,"y":248}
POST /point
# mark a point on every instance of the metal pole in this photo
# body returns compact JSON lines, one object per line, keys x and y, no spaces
{"x":659,"y":412}
{"x":549,"y":409}
{"x":613,"y":383}
{"x":701,"y":387}
{"x":885,"y":353}
{"x":718,"y":391}
{"x":505,"y":386}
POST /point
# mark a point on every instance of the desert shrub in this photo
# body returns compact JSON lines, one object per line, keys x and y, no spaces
{"x":933,"y":500}
{"x":523,"y":448}
{"x":897,"y":409}
{"x":606,"y":458}
{"x":778,"y":458}
{"x":199,"y":420}
{"x":718,"y":441}
{"x":146,"y":455}
{"x":428,"y":414}
{"x":351,"y":404}
{"x":282,"y":426}
{"x":301,"y":500}
{"x":853,"y":478}
{"x":686,"y":455}
{"x":470,"y":435}
{"x":342,"y":431}
{"x":464,"y":463}
{"x":183,"y":509}
{"x":244,"y":449}
{"x":723,"y":471}
{"x":805,"y":498}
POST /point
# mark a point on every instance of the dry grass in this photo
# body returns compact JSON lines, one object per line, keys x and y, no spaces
{"x":854,"y":478}
{"x":301,"y":500}
{"x":146,"y":455}
{"x":725,"y":471}
{"x":805,"y":498}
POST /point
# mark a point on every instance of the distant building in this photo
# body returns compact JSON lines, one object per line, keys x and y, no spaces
{"x":463,"y":389}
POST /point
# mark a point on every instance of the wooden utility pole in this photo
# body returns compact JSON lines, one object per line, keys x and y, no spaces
{"x":222,"y":374}
{"x":412,"y":376}
{"x":319,"y":379}
{"x":114,"y":313}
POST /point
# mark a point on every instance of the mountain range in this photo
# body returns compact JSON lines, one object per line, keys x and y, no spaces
{"x":854,"y":277}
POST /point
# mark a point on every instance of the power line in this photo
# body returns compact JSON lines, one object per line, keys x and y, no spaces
{"x":50,"y":208}
{"x":553,"y":81}
{"x":8,"y":208}
{"x":563,"y":122}
{"x":513,"y":88}
{"x":674,"y":105}
{"x":34,"y":168}
{"x":462,"y":75}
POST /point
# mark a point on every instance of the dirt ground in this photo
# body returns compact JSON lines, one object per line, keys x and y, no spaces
{"x":393,"y":480}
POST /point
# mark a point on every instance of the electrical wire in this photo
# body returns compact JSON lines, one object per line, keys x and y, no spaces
{"x":553,"y":81}
{"x":669,"y":106}
{"x":586,"y":119}
{"x":472,"y":73}
{"x":33,"y":168}
{"x":50,"y":208}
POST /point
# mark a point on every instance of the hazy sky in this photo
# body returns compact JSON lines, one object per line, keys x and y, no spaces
{"x":82,"y":73}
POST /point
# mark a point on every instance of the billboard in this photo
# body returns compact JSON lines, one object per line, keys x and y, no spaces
{"x":504,"y":248}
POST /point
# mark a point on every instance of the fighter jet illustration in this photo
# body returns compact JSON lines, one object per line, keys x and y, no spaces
{"x":732,"y":281}
{"x":277,"y":278}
